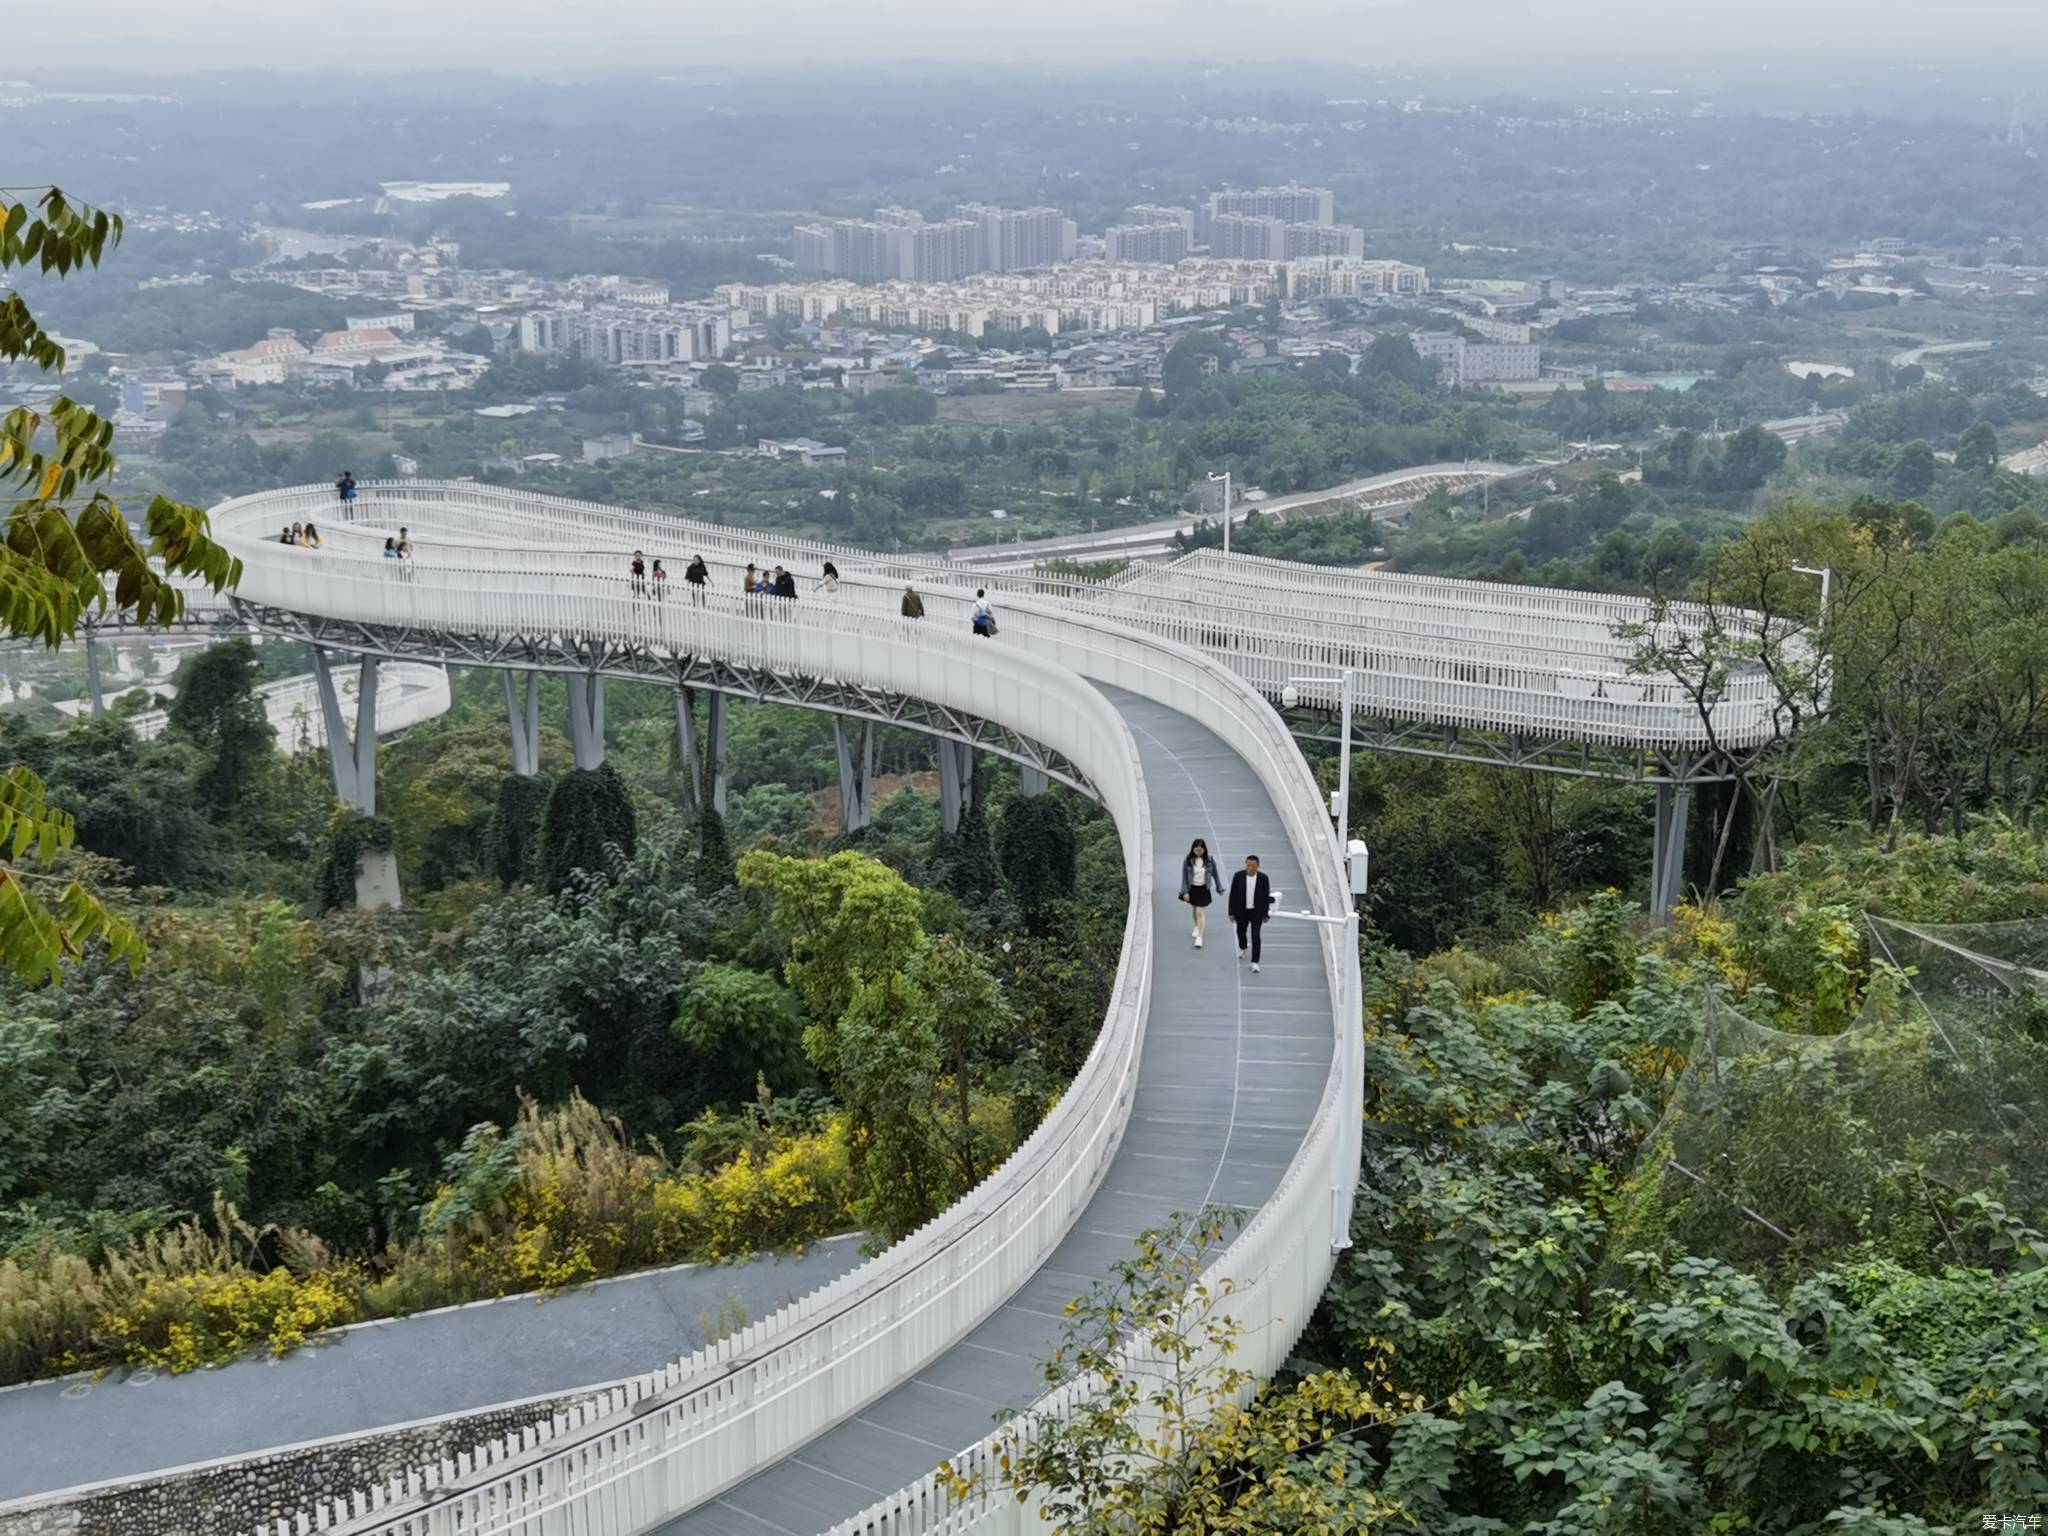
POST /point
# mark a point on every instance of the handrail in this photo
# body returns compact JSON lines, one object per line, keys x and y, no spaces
{"x":1320,"y":619}
{"x":862,"y":1333}
{"x":662,"y":1445}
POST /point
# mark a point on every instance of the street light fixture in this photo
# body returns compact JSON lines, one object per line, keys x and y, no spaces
{"x":1355,"y":855}
{"x":1827,"y":577}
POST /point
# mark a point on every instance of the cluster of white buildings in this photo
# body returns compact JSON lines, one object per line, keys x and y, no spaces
{"x":630,"y":334}
{"x":1073,"y":296}
{"x":368,"y":348}
{"x":899,"y":244}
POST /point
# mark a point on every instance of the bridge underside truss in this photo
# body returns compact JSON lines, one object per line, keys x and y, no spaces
{"x":1540,"y":754}
{"x":577,"y":655}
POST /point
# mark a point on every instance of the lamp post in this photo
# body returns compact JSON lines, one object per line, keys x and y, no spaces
{"x":1826,"y":573}
{"x":1355,"y":855}
{"x":1350,"y":1036}
{"x":1225,"y":478}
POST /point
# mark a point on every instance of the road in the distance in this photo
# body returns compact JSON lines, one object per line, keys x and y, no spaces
{"x":1150,"y":538}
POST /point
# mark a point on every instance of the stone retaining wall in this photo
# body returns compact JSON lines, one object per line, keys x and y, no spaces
{"x":234,"y":1497}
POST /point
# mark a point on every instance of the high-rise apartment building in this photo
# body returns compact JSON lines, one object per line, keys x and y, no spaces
{"x":1247,"y":237}
{"x":621,"y":333}
{"x":946,"y":250}
{"x":1019,"y":239}
{"x":1145,"y":242}
{"x":895,"y":243}
{"x":814,"y":250}
{"x":1324,"y":240}
{"x":1289,"y":204}
{"x":1153,"y":213}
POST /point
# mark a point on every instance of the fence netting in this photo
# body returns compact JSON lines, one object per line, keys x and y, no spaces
{"x":1919,"y":1133}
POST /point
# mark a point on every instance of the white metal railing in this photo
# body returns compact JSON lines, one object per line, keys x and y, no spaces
{"x":683,"y":1433}
{"x":1485,"y":656}
{"x":669,"y":1440}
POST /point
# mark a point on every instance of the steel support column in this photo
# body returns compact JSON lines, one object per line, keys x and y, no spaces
{"x":686,"y":747}
{"x":586,"y":720}
{"x":353,"y":762}
{"x":956,"y":782}
{"x":1660,"y":851}
{"x":715,"y":752}
{"x":1031,"y":781}
{"x":855,"y":778}
{"x":1667,"y":855}
{"x":92,"y":673}
{"x":524,"y":718}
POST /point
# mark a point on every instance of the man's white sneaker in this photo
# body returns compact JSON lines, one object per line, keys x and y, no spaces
{"x":1255,"y":967}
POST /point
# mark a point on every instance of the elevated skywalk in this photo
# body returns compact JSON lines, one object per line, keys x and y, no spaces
{"x":1231,"y":1074}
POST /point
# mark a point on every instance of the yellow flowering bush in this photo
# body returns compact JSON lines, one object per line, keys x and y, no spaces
{"x":799,"y":1190}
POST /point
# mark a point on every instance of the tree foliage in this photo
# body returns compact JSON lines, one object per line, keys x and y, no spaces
{"x":63,"y":560}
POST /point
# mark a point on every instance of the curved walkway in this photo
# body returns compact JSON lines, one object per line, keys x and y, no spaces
{"x":1232,"y":1070}
{"x":66,"y":1434}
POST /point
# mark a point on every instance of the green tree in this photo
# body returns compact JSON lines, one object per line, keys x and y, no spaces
{"x":61,"y":559}
{"x":588,"y":811}
{"x":1751,"y":457}
{"x":1977,"y":452}
{"x":1913,"y":475}
{"x":1035,"y":841}
{"x":218,"y":709}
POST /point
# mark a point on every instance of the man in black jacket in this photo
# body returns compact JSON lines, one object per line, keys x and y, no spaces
{"x":1251,"y":901}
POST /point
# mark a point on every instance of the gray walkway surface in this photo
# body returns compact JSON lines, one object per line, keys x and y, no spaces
{"x":61,"y":1434}
{"x":1233,"y":1067}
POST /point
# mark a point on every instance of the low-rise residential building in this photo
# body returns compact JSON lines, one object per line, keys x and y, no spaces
{"x":800,"y":450}
{"x":1479,"y":362}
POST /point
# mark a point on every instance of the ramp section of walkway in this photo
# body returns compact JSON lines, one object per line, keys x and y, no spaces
{"x":80,"y":1431}
{"x":1232,"y":1073}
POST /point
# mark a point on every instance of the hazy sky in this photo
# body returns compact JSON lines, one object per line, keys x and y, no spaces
{"x":547,"y":37}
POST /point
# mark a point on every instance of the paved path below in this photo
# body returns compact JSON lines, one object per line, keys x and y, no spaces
{"x":61,"y":1434}
{"x":1233,"y":1068}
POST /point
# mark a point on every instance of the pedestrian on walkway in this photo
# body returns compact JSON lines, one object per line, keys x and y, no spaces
{"x":311,"y":537}
{"x":785,"y":584}
{"x":660,"y":580}
{"x":1198,"y":884}
{"x":298,"y":533}
{"x":1251,"y":902}
{"x":404,"y":545}
{"x":748,"y":582}
{"x":639,"y":570}
{"x":391,"y":549}
{"x":831,"y":580}
{"x":984,"y":614}
{"x":913,"y":605}
{"x":290,"y":534}
{"x":696,"y":574}
{"x":345,"y":487}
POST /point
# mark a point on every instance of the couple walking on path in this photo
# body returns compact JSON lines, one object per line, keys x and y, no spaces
{"x":1251,"y":897}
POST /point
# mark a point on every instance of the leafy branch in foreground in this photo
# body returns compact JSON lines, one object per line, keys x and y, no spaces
{"x":1159,"y":1432}
{"x":62,"y":564}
